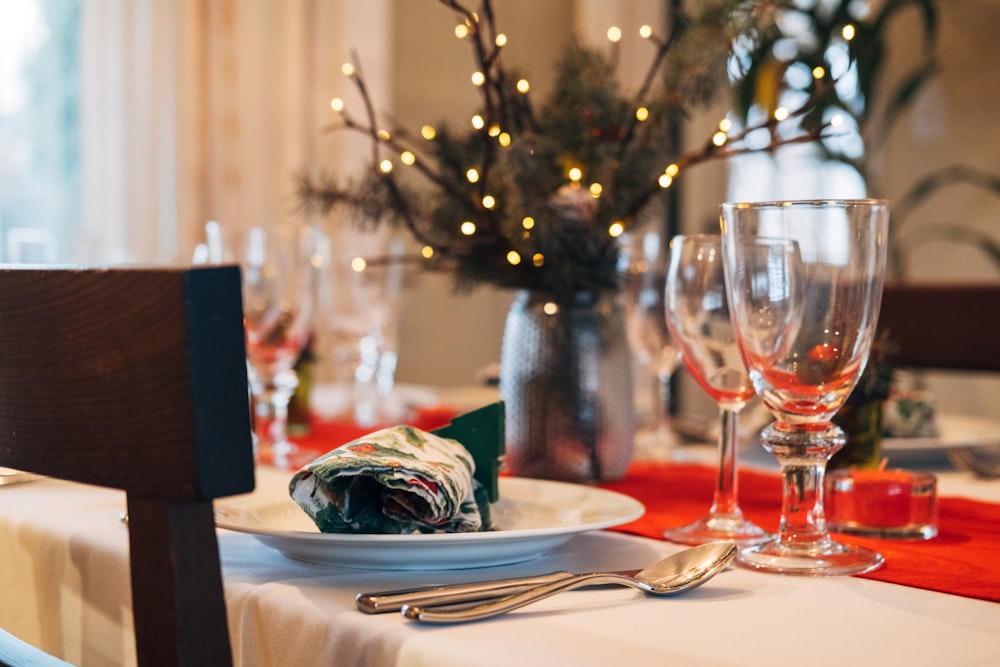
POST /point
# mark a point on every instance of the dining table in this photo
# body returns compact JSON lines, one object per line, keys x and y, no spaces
{"x":64,"y":585}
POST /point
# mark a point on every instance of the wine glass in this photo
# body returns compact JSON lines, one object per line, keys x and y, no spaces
{"x":644,"y":255}
{"x":277,"y":265}
{"x":697,"y":314}
{"x":833,"y":282}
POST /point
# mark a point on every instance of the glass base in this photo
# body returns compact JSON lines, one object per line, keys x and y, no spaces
{"x":823,"y":559}
{"x":718,"y":527}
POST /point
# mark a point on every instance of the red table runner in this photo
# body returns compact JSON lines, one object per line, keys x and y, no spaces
{"x":964,"y":559}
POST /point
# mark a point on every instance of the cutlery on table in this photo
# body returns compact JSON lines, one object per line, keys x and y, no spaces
{"x":678,"y":572}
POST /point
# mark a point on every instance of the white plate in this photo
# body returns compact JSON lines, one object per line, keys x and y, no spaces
{"x":532,"y":517}
{"x":953,"y":431}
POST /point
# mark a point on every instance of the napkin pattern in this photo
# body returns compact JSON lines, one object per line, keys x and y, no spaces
{"x":396,"y":480}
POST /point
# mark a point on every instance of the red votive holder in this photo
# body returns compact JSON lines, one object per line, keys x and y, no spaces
{"x":898,"y":504}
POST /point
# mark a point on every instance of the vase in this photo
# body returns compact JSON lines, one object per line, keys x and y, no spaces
{"x":862,"y":425}
{"x":565,"y":378}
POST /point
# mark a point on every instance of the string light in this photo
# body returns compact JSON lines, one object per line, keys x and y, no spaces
{"x":461,"y":31}
{"x":538,"y":259}
{"x":781,"y":113}
{"x":468,"y":228}
{"x":645,"y":31}
{"x":385,"y":166}
{"x":478,"y":78}
{"x":665,"y":181}
{"x":478,"y":122}
{"x":347,"y":69}
{"x":848,"y":32}
{"x":719,"y":138}
{"x":472,"y":175}
{"x":550,"y":308}
{"x":501,"y":40}
{"x":358,"y":264}
{"x":428,"y":132}
{"x":513,"y":258}
{"x":503,"y":139}
{"x":427,"y":252}
{"x":523,"y":86}
{"x":614,"y":34}
{"x":641,"y":114}
{"x":616,"y":229}
{"x":837,"y":120}
{"x":383,"y":135}
{"x":819,"y":72}
{"x":596,"y":189}
{"x":671,"y":170}
{"x":489,"y":201}
{"x":494,"y":130}
{"x":575,"y":174}
{"x":337,"y":104}
{"x":407,"y":158}
{"x":528,"y":222}
{"x":725,"y":124}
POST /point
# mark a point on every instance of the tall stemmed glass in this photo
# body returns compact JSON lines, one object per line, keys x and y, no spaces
{"x":645,"y":260}
{"x":806,"y":374}
{"x":697,"y":314}
{"x":278,"y":288}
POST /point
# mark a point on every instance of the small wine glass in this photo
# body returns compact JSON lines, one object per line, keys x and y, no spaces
{"x":644,"y":255}
{"x":697,"y":313}
{"x":831,"y":290}
{"x":278,"y":286}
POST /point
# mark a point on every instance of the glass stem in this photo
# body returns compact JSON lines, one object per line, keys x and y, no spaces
{"x":662,"y":407}
{"x":802,"y":455}
{"x":725,"y":500}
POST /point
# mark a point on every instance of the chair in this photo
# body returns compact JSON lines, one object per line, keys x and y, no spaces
{"x":947,"y":327}
{"x":135,"y":379}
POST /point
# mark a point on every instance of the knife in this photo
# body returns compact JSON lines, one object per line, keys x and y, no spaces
{"x":435,"y":596}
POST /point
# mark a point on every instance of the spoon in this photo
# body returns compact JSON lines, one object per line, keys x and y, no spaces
{"x":678,"y":572}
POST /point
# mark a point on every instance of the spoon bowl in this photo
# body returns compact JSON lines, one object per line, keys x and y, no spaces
{"x":674,"y":574}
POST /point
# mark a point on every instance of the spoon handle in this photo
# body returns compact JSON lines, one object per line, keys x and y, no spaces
{"x":502,"y":605}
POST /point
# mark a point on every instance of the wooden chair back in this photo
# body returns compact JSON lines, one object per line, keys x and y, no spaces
{"x":948,"y":327}
{"x":135,"y":379}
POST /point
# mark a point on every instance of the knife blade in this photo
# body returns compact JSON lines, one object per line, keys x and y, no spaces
{"x":435,"y":596}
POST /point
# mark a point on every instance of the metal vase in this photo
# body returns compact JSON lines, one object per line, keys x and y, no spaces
{"x":565,"y":377}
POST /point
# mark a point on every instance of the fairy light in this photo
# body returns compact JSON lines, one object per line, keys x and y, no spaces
{"x":513,"y":257}
{"x":575,"y":174}
{"x":503,"y":139}
{"x":614,"y":34}
{"x":837,"y":120}
{"x":523,"y":86}
{"x":468,"y":228}
{"x":347,"y":69}
{"x":596,"y":189}
{"x":719,"y":138}
{"x":671,"y":170}
{"x":538,"y":259}
{"x":645,"y":31}
{"x":848,"y":32}
{"x":337,"y":104}
{"x":461,"y":31}
{"x":616,"y":229}
{"x":665,"y":181}
{"x":478,"y":122}
{"x":494,"y":130}
{"x":407,"y":158}
{"x":528,"y":222}
{"x":501,"y":40}
{"x":489,"y":201}
{"x":725,"y":124}
{"x":358,"y":264}
{"x":780,"y":114}
{"x":819,"y":72}
{"x":641,"y":114}
{"x":383,"y":135}
{"x":550,"y":308}
{"x":478,"y":79}
{"x":472,"y":175}
{"x":385,"y":166}
{"x":427,"y":252}
{"x":428,"y":132}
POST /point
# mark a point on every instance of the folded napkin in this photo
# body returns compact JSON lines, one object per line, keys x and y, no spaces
{"x":396,"y":480}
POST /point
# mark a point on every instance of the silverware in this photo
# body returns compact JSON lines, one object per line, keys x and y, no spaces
{"x":435,"y":596}
{"x":678,"y":572}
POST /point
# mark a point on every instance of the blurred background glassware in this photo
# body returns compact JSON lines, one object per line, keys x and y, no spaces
{"x":829,"y":289}
{"x":279,"y":271}
{"x":697,"y":314}
{"x":644,"y":262}
{"x":360,"y":309}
